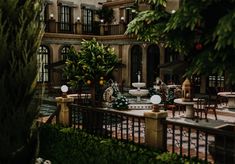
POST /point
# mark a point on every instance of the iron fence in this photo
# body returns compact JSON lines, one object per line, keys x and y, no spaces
{"x":86,"y":29}
{"x":209,"y":144}
{"x":216,"y":145}
{"x":108,"y":123}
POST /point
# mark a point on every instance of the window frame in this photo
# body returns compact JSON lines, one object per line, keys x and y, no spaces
{"x":43,"y":56}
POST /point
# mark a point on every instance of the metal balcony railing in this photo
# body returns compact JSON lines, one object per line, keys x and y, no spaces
{"x":85,"y":29}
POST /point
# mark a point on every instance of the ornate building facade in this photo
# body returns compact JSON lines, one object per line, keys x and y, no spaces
{"x":68,"y":22}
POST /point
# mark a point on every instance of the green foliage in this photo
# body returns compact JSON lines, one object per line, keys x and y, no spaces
{"x":148,"y":25}
{"x":120,"y":102}
{"x":208,"y":23}
{"x":93,"y":61}
{"x":66,"y":145}
{"x":106,"y":14}
{"x":20,"y":36}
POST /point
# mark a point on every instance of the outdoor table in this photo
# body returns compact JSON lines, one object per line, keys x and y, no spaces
{"x":189,"y":110}
{"x":231,"y":98}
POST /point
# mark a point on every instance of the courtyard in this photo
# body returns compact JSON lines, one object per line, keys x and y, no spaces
{"x":117,"y":80}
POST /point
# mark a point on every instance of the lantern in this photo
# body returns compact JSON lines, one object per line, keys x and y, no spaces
{"x":187,"y":90}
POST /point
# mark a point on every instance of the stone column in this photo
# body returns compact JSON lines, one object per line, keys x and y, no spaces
{"x":52,"y":25}
{"x":102,"y":29}
{"x":64,"y":110}
{"x":154,"y":132}
{"x":122,"y":27}
{"x":78,"y":27}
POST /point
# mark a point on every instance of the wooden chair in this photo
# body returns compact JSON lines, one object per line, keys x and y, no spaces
{"x":211,"y":104}
{"x":204,"y":105}
{"x":171,"y":107}
{"x":199,"y":107}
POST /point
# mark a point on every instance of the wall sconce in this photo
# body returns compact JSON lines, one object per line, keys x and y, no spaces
{"x":51,"y":16}
{"x":102,"y":21}
{"x":155,"y":100}
{"x":172,"y":11}
{"x":122,"y":19}
{"x":64,"y":89}
{"x":78,"y":19}
{"x":172,"y":6}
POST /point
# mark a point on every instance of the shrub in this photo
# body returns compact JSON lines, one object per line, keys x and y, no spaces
{"x":68,"y":146}
{"x":120,"y":103}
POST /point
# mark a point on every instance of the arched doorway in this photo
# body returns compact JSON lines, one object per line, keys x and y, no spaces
{"x":136,"y":62}
{"x":153,"y":60}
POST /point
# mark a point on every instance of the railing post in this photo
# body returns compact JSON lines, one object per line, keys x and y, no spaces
{"x":64,"y":112}
{"x":78,"y":26}
{"x":52,"y":25}
{"x":102,"y":29}
{"x":122,"y":27}
{"x":154,"y":133}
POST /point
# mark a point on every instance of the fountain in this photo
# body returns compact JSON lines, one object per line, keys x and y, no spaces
{"x":138,"y":92}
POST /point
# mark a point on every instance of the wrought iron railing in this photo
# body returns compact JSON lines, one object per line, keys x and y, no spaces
{"x":86,"y":29}
{"x":108,"y":123}
{"x":209,"y":144}
{"x":216,"y":145}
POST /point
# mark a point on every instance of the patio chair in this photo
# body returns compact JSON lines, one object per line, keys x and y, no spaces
{"x":199,"y":107}
{"x":211,"y":104}
{"x":204,"y":105}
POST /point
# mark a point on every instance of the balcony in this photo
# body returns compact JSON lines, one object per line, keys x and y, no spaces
{"x":51,"y":26}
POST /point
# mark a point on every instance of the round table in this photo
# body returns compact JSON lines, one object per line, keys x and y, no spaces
{"x":231,"y":98}
{"x":189,"y":110}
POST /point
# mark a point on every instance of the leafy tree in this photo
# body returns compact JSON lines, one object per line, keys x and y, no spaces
{"x":202,"y":31}
{"x":90,"y":65}
{"x":106,"y":14}
{"x":20,"y":37}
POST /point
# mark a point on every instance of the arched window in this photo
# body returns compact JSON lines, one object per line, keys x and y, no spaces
{"x":42,"y":62}
{"x":136,"y":62}
{"x":64,"y":51}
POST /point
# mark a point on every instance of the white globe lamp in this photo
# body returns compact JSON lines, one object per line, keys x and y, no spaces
{"x":155,"y":100}
{"x":64,"y":90}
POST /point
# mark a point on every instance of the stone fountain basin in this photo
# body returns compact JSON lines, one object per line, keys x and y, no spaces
{"x":138,"y":85}
{"x":138,"y":93}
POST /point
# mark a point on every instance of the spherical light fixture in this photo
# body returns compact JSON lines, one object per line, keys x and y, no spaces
{"x":64,"y":89}
{"x":155,"y":100}
{"x":51,"y":16}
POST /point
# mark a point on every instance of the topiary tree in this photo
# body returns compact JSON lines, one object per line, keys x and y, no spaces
{"x":20,"y":37}
{"x":90,"y":66}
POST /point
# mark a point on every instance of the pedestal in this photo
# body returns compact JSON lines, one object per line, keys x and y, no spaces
{"x":154,"y":133}
{"x":64,"y":109}
{"x":189,"y":111}
{"x":231,"y":102}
